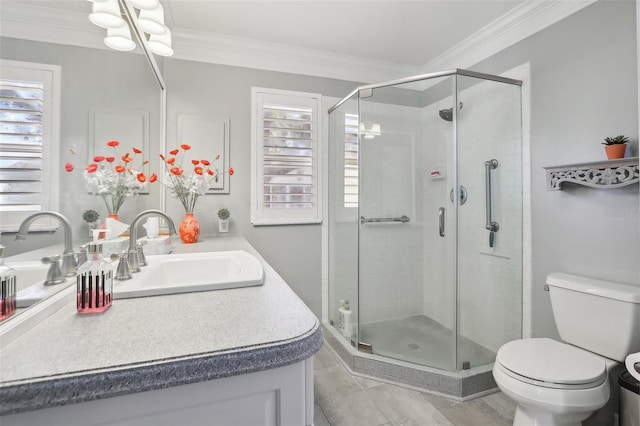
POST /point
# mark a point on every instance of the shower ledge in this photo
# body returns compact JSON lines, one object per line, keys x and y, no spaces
{"x":597,"y":174}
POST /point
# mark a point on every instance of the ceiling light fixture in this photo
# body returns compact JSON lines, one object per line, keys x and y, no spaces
{"x":149,"y":20}
{"x":106,"y":14}
{"x":120,"y":38}
{"x":160,"y":44}
{"x":372,"y":132}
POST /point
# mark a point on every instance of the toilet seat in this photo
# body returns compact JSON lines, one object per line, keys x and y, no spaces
{"x":548,"y":363}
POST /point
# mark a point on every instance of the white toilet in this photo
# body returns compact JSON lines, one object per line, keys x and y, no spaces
{"x":555,"y":383}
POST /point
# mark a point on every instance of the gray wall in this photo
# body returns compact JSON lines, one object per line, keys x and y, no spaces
{"x":225,"y":92}
{"x":584,"y":86}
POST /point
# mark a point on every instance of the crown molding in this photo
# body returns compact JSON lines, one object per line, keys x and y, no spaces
{"x":514,"y":26}
{"x":251,"y":53}
{"x":49,"y":25}
{"x":65,"y":27}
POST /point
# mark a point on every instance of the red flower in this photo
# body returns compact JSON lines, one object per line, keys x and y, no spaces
{"x":174,"y":151}
{"x":161,"y":157}
{"x":198,"y":171}
{"x":153,"y":177}
{"x":110,"y":159}
{"x":141,"y":177}
{"x":68,"y":167}
{"x":113,"y":143}
{"x":231,"y":171}
{"x":126,"y":159}
{"x":171,"y":160}
{"x":205,"y":162}
{"x":71,"y":150}
{"x":185,"y":147}
{"x":195,"y":162}
{"x":119,"y":168}
{"x":176,"y":171}
{"x":209,"y":171}
{"x":137,"y":150}
{"x":98,"y":158}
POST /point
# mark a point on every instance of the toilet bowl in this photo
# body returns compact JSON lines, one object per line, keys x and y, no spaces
{"x":562,"y":383}
{"x":551,"y":382}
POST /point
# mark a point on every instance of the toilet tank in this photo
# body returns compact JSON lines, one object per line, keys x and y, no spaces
{"x":600,"y":316}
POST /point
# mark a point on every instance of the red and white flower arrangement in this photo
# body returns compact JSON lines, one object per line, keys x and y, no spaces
{"x":114,"y":178}
{"x":187,"y":187}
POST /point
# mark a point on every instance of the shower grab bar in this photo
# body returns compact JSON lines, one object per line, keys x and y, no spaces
{"x":441,"y":220}
{"x":403,"y":219}
{"x":490,"y":225}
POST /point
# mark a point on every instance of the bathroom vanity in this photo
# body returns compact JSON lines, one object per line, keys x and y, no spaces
{"x":237,"y":356}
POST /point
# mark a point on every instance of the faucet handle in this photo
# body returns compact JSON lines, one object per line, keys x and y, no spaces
{"x":54,"y":274}
{"x":81,"y":255}
{"x":142,"y":260}
{"x":47,"y":260}
{"x":123,"y":272}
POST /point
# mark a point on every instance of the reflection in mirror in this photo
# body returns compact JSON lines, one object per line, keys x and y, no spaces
{"x":103,"y":95}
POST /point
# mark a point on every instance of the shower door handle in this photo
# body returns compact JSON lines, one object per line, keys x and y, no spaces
{"x":490,"y":225}
{"x":441,"y":220}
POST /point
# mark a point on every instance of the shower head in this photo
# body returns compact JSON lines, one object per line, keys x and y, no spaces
{"x":446,"y":114}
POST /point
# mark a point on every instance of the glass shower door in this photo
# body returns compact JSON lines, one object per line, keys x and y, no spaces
{"x":406,"y":248}
{"x":489,"y":272}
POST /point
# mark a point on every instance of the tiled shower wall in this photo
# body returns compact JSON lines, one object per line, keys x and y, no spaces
{"x":490,"y":279}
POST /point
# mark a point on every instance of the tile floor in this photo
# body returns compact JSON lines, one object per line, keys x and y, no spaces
{"x":345,"y":400}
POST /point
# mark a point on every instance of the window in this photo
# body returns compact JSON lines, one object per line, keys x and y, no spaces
{"x":285,"y":157}
{"x":351,"y":160}
{"x":29,"y":142}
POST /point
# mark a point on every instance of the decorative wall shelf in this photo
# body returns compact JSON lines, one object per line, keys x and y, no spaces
{"x":599,"y":174}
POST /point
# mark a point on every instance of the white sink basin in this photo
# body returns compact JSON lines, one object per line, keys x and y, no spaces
{"x":30,"y":283}
{"x":185,"y":273}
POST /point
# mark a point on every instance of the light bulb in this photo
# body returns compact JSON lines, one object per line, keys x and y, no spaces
{"x":120,"y":38}
{"x":106,"y":14}
{"x":144,"y":4}
{"x":151,"y":21}
{"x":160,"y":44}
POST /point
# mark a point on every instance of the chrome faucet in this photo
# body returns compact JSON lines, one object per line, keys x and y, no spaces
{"x":134,"y":264}
{"x":68,"y":257}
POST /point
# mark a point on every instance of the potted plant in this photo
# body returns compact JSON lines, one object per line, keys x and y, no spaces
{"x":615,"y":147}
{"x":91,"y":217}
{"x":223,"y":220}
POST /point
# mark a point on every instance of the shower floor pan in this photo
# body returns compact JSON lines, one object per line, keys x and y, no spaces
{"x":417,"y":340}
{"x":421,"y":340}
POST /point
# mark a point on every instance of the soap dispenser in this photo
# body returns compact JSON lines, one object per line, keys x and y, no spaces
{"x":7,"y":289}
{"x":94,"y":280}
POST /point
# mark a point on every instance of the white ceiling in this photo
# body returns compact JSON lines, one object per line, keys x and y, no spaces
{"x":398,"y":31}
{"x":357,"y":40}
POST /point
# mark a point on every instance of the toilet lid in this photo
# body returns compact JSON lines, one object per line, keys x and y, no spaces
{"x":547,"y":360}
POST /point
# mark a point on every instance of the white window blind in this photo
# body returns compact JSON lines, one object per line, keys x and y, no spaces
{"x":28,"y":144}
{"x":350,"y":160}
{"x":21,"y":132}
{"x":286,"y":157}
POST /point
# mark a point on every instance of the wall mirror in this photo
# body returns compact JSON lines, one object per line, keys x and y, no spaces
{"x":104,"y":95}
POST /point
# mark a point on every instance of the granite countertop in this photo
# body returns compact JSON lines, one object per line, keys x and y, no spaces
{"x":156,"y":342}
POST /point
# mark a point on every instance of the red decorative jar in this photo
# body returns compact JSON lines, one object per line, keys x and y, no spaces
{"x":189,"y":229}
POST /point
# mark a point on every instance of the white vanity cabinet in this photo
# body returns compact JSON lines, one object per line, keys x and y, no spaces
{"x":282,"y":396}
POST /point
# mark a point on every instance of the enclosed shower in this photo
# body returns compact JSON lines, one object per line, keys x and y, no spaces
{"x":425,"y":228}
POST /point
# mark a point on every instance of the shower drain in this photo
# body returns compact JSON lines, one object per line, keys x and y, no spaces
{"x":413,"y":346}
